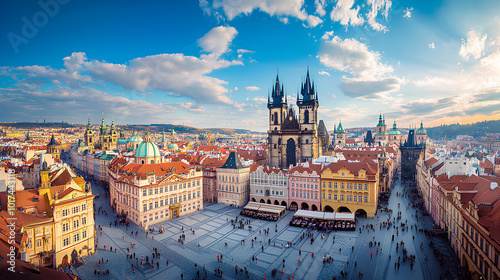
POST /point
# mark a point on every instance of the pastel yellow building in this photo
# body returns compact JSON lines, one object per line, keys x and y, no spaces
{"x":350,"y":186}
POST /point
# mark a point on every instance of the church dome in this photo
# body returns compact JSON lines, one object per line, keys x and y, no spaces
{"x":173,"y":147}
{"x":135,"y":138}
{"x":147,"y":149}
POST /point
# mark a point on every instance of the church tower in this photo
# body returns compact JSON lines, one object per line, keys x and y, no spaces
{"x":339,"y":133}
{"x":277,"y":114}
{"x":113,"y":136}
{"x":292,"y":138}
{"x":308,"y":105}
{"x":103,"y":133}
{"x":89,"y":136}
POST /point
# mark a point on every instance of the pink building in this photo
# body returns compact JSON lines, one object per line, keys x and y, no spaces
{"x":304,"y":187}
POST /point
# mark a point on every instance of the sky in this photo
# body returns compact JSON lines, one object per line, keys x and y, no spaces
{"x":212,"y":63}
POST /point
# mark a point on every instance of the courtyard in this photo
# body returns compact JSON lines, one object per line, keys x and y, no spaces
{"x":214,"y":236}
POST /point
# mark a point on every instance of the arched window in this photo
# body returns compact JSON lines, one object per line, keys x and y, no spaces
{"x":306,"y":116}
{"x":275,"y":118}
{"x":152,"y":161}
{"x":307,"y":141}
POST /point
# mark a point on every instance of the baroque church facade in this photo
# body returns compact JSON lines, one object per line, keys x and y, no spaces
{"x":108,"y":140}
{"x":294,"y":137}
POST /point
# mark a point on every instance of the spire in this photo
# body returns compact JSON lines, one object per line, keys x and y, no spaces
{"x":394,"y":127}
{"x":163,"y":136}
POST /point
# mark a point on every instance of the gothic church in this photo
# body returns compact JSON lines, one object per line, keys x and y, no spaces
{"x":291,"y":138}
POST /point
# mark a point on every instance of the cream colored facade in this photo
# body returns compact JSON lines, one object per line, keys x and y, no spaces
{"x":233,"y":186}
{"x":74,"y":227}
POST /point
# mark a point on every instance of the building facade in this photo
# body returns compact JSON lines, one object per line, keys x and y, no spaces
{"x":233,"y":182}
{"x":269,"y":185}
{"x":348,"y":186}
{"x":292,"y":138}
{"x":304,"y":187}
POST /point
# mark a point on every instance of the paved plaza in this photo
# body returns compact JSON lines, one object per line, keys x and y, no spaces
{"x":213,"y":229}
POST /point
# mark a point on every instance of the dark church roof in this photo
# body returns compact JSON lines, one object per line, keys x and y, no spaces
{"x":322,"y":128}
{"x":233,"y":162}
{"x":369,"y":138}
{"x":53,"y":141}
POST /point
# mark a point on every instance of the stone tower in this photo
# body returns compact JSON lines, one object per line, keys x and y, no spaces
{"x":54,"y":148}
{"x":89,"y":136}
{"x":292,"y":138}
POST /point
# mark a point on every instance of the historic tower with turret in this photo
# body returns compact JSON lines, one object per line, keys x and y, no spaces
{"x":292,"y":138}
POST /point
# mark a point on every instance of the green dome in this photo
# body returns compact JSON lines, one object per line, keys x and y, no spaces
{"x":173,"y":147}
{"x":421,"y":130}
{"x":394,"y":132}
{"x":147,"y":149}
{"x":135,"y":138}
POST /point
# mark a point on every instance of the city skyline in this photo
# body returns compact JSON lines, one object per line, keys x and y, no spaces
{"x":212,"y":64}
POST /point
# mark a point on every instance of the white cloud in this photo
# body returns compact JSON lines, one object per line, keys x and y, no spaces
{"x":352,"y":56}
{"x":280,"y":8}
{"x":343,"y":13}
{"x":284,"y":20}
{"x":371,"y":79}
{"x":320,"y":7}
{"x":473,"y":46}
{"x":174,"y":74}
{"x":324,"y":73}
{"x":258,"y":100}
{"x":191,"y":106}
{"x":252,"y":88}
{"x":377,"y":6}
{"x":407,"y":12}
{"x":327,"y":35}
{"x":217,"y":40}
{"x":432,"y":46}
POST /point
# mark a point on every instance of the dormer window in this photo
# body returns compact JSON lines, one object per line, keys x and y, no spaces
{"x":151,"y":180}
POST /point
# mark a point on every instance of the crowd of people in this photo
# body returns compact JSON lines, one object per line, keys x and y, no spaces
{"x":260,"y":215}
{"x":323,"y":225}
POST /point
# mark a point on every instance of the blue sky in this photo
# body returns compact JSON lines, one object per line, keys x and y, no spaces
{"x":212,"y":63}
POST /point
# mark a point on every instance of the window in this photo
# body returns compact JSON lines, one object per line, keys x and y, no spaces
{"x":84,"y":207}
{"x":84,"y":234}
{"x":342,"y":185}
{"x":343,"y":174}
{"x":161,"y":203}
{"x":156,"y":204}
{"x":184,"y":198}
{"x":335,"y":197}
{"x":144,"y":192}
{"x":355,"y":186}
{"x":335,"y":185}
{"x":329,"y":184}
{"x":166,"y":201}
{"x":156,"y":191}
{"x":161,"y":190}
{"x":38,"y":242}
{"x":366,"y":198}
{"x":144,"y":207}
{"x":189,"y":196}
{"x":355,"y":198}
{"x":76,"y":223}
{"x":323,"y":195}
{"x":84,"y":220}
{"x":65,"y":212}
{"x":341,"y":197}
{"x":329,"y":196}
{"x":315,"y":196}
{"x":150,"y":191}
{"x":171,"y":200}
{"x":366,"y":187}
{"x":65,"y":241}
{"x":75,"y":209}
{"x":65,"y":227}
{"x":76,"y":237}
{"x":171,"y":188}
{"x":150,"y":205}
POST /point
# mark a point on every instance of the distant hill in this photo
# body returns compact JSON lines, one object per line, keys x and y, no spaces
{"x":476,"y":129}
{"x":151,"y":127}
{"x":34,"y":125}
